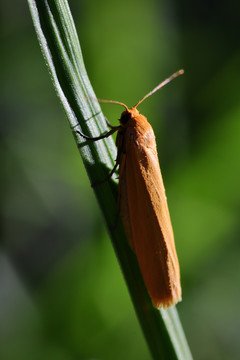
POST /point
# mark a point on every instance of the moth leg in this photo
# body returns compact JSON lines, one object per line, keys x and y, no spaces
{"x":121,"y":159}
{"x":113,"y":130}
{"x":117,"y":215}
{"x":118,"y":159}
{"x":96,"y":138}
{"x":110,"y":125}
{"x":106,"y":178}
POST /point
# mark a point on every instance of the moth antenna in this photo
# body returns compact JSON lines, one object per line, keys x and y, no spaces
{"x":113,"y":102}
{"x":166,"y":81}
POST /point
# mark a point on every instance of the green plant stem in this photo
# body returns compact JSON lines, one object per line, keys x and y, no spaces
{"x":61,"y":49}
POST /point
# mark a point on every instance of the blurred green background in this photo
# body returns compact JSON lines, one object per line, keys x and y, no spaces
{"x":62,"y":294}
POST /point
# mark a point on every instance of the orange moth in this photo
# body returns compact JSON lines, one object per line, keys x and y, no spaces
{"x":143,"y":204}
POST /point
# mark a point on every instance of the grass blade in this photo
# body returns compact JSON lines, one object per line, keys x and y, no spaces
{"x":62,"y":53}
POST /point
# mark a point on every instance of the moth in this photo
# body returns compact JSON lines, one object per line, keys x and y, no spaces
{"x":143,"y":203}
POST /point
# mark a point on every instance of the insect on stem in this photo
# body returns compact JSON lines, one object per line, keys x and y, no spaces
{"x":141,"y":192}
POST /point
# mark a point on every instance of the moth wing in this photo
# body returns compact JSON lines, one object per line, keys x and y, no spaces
{"x":146,"y":219}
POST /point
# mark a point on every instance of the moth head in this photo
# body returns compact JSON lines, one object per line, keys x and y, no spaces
{"x":128,"y":115}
